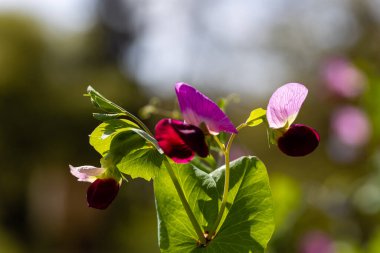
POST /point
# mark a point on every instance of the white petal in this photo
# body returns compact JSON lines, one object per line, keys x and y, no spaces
{"x":86,"y":173}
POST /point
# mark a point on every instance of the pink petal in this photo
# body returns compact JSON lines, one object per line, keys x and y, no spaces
{"x":180,"y":141}
{"x":86,"y":173}
{"x":285,"y":104}
{"x":197,"y":108}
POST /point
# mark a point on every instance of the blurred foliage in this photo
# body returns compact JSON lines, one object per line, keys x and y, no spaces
{"x":45,"y":126}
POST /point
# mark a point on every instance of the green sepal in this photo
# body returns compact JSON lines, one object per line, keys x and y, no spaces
{"x":111,"y":170}
{"x":248,"y":222}
{"x":274,"y":134}
{"x":256,"y":117}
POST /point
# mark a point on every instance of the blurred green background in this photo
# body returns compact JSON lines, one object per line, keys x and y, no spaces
{"x":131,"y":51}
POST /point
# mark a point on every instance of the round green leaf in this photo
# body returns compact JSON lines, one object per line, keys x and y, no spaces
{"x":248,"y":222}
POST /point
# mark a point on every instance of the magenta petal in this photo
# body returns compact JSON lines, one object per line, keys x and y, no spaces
{"x":284,"y":104}
{"x":197,"y":108}
{"x":180,"y":141}
{"x":102,"y":192}
{"x":299,"y":140}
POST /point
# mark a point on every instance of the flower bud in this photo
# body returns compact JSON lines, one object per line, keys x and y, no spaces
{"x":102,"y":192}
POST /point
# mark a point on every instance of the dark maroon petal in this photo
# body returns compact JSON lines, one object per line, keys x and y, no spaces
{"x":180,"y":141}
{"x":102,"y":192}
{"x":299,"y":140}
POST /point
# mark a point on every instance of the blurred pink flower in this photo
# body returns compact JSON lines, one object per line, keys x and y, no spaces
{"x":342,"y":78}
{"x":351,"y":126}
{"x":316,"y":242}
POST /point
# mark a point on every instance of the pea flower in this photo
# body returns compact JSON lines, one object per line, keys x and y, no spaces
{"x":182,"y":140}
{"x":102,"y":191}
{"x":282,"y":110}
{"x":342,"y":78}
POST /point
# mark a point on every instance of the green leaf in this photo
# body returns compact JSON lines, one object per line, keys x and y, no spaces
{"x":248,"y":222}
{"x":107,"y":116}
{"x":207,"y":164}
{"x":176,"y":233}
{"x":256,"y":117}
{"x":103,"y":103}
{"x":124,"y":143}
{"x":103,"y":135}
{"x":144,"y":162}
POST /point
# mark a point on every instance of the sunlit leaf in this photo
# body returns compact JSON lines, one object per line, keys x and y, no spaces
{"x":207,"y":164}
{"x":144,"y":163}
{"x":256,"y":117}
{"x":248,"y":223}
{"x":102,"y":136}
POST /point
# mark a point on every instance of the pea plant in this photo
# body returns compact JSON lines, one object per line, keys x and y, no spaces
{"x":200,"y":207}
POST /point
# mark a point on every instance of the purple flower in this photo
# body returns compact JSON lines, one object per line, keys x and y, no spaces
{"x":282,"y":110}
{"x":196,"y":109}
{"x":102,"y":191}
{"x":182,"y":140}
{"x":342,"y":78}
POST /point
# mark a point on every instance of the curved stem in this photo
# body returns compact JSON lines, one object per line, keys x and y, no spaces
{"x":221,"y":145}
{"x":226,"y":183}
{"x":226,"y":188}
{"x":190,"y":214}
{"x":138,"y":121}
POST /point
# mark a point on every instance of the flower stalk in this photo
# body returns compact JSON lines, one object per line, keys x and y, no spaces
{"x":185,"y":203}
{"x":226,"y":151}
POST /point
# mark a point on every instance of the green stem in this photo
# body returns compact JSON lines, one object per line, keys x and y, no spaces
{"x":138,"y":121}
{"x":185,"y":204}
{"x":221,"y":145}
{"x":227,"y":150}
